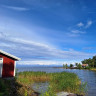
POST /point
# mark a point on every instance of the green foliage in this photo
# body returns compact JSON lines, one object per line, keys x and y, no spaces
{"x":30,"y":77}
{"x":94,"y":61}
{"x":25,"y":93}
{"x":83,"y":89}
{"x":10,"y":87}
{"x":16,"y":73}
{"x":79,"y":66}
{"x":71,"y":65}
{"x":88,"y":67}
{"x":2,"y":86}
{"x":65,"y":66}
{"x":91,"y":68}
{"x":65,"y":82}
{"x":76,"y":64}
{"x":1,"y":94}
{"x":91,"y":61}
{"x":50,"y":92}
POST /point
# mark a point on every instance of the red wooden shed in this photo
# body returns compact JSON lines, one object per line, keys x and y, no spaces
{"x":7,"y":64}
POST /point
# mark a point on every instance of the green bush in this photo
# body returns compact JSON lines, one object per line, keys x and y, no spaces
{"x":87,"y":67}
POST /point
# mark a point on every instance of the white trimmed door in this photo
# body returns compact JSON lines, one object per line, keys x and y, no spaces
{"x":1,"y":66}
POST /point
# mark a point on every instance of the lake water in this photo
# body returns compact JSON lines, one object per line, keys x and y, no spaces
{"x":85,"y":75}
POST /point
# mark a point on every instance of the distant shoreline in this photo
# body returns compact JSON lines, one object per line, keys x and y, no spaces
{"x":64,"y":68}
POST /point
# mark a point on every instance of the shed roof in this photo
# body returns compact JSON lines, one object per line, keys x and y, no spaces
{"x":9,"y":55}
{"x":84,"y":64}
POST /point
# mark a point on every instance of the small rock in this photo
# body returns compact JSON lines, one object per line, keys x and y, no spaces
{"x":65,"y":94}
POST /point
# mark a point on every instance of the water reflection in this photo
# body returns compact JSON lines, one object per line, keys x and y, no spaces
{"x":40,"y":87}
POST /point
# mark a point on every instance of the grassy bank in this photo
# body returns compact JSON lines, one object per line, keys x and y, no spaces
{"x":10,"y":87}
{"x":93,"y":69}
{"x":63,"y":81}
{"x":20,"y":86}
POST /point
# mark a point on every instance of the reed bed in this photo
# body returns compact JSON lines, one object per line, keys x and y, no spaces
{"x":20,"y":86}
{"x":31,"y":77}
{"x":63,"y":81}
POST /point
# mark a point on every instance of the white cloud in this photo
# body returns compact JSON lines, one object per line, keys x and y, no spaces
{"x":80,"y":24}
{"x":78,"y":32}
{"x":27,"y":50}
{"x":89,"y":23}
{"x":46,"y":62}
{"x":40,"y":62}
{"x":15,"y":8}
{"x":4,"y":45}
{"x":75,"y":33}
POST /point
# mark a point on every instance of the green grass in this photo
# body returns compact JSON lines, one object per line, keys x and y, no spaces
{"x":63,"y":81}
{"x":31,"y":77}
{"x":93,"y":69}
{"x":10,"y":87}
{"x":3,"y":88}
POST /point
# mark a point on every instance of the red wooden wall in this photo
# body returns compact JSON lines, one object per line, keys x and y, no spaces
{"x":8,"y":66}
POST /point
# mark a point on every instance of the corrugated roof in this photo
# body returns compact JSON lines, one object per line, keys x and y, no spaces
{"x":9,"y":55}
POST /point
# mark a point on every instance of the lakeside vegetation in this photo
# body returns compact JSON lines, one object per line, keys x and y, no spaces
{"x":63,"y":81}
{"x":93,"y":69}
{"x":77,"y":66}
{"x":10,"y":87}
{"x":91,"y":64}
{"x":21,"y":86}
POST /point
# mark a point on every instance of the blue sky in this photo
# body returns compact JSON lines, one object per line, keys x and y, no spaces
{"x":48,"y":32}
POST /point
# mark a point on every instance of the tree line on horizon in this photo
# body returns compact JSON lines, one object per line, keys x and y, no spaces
{"x":78,"y":65}
{"x":91,"y":61}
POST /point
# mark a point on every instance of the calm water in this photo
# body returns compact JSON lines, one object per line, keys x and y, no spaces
{"x":85,"y":76}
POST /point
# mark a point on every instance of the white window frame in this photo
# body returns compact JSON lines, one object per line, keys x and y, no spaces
{"x":1,"y":66}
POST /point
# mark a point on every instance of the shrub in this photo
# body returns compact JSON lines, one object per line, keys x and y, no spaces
{"x":87,"y":67}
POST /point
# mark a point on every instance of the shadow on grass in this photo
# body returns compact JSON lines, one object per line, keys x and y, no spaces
{"x":9,"y":87}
